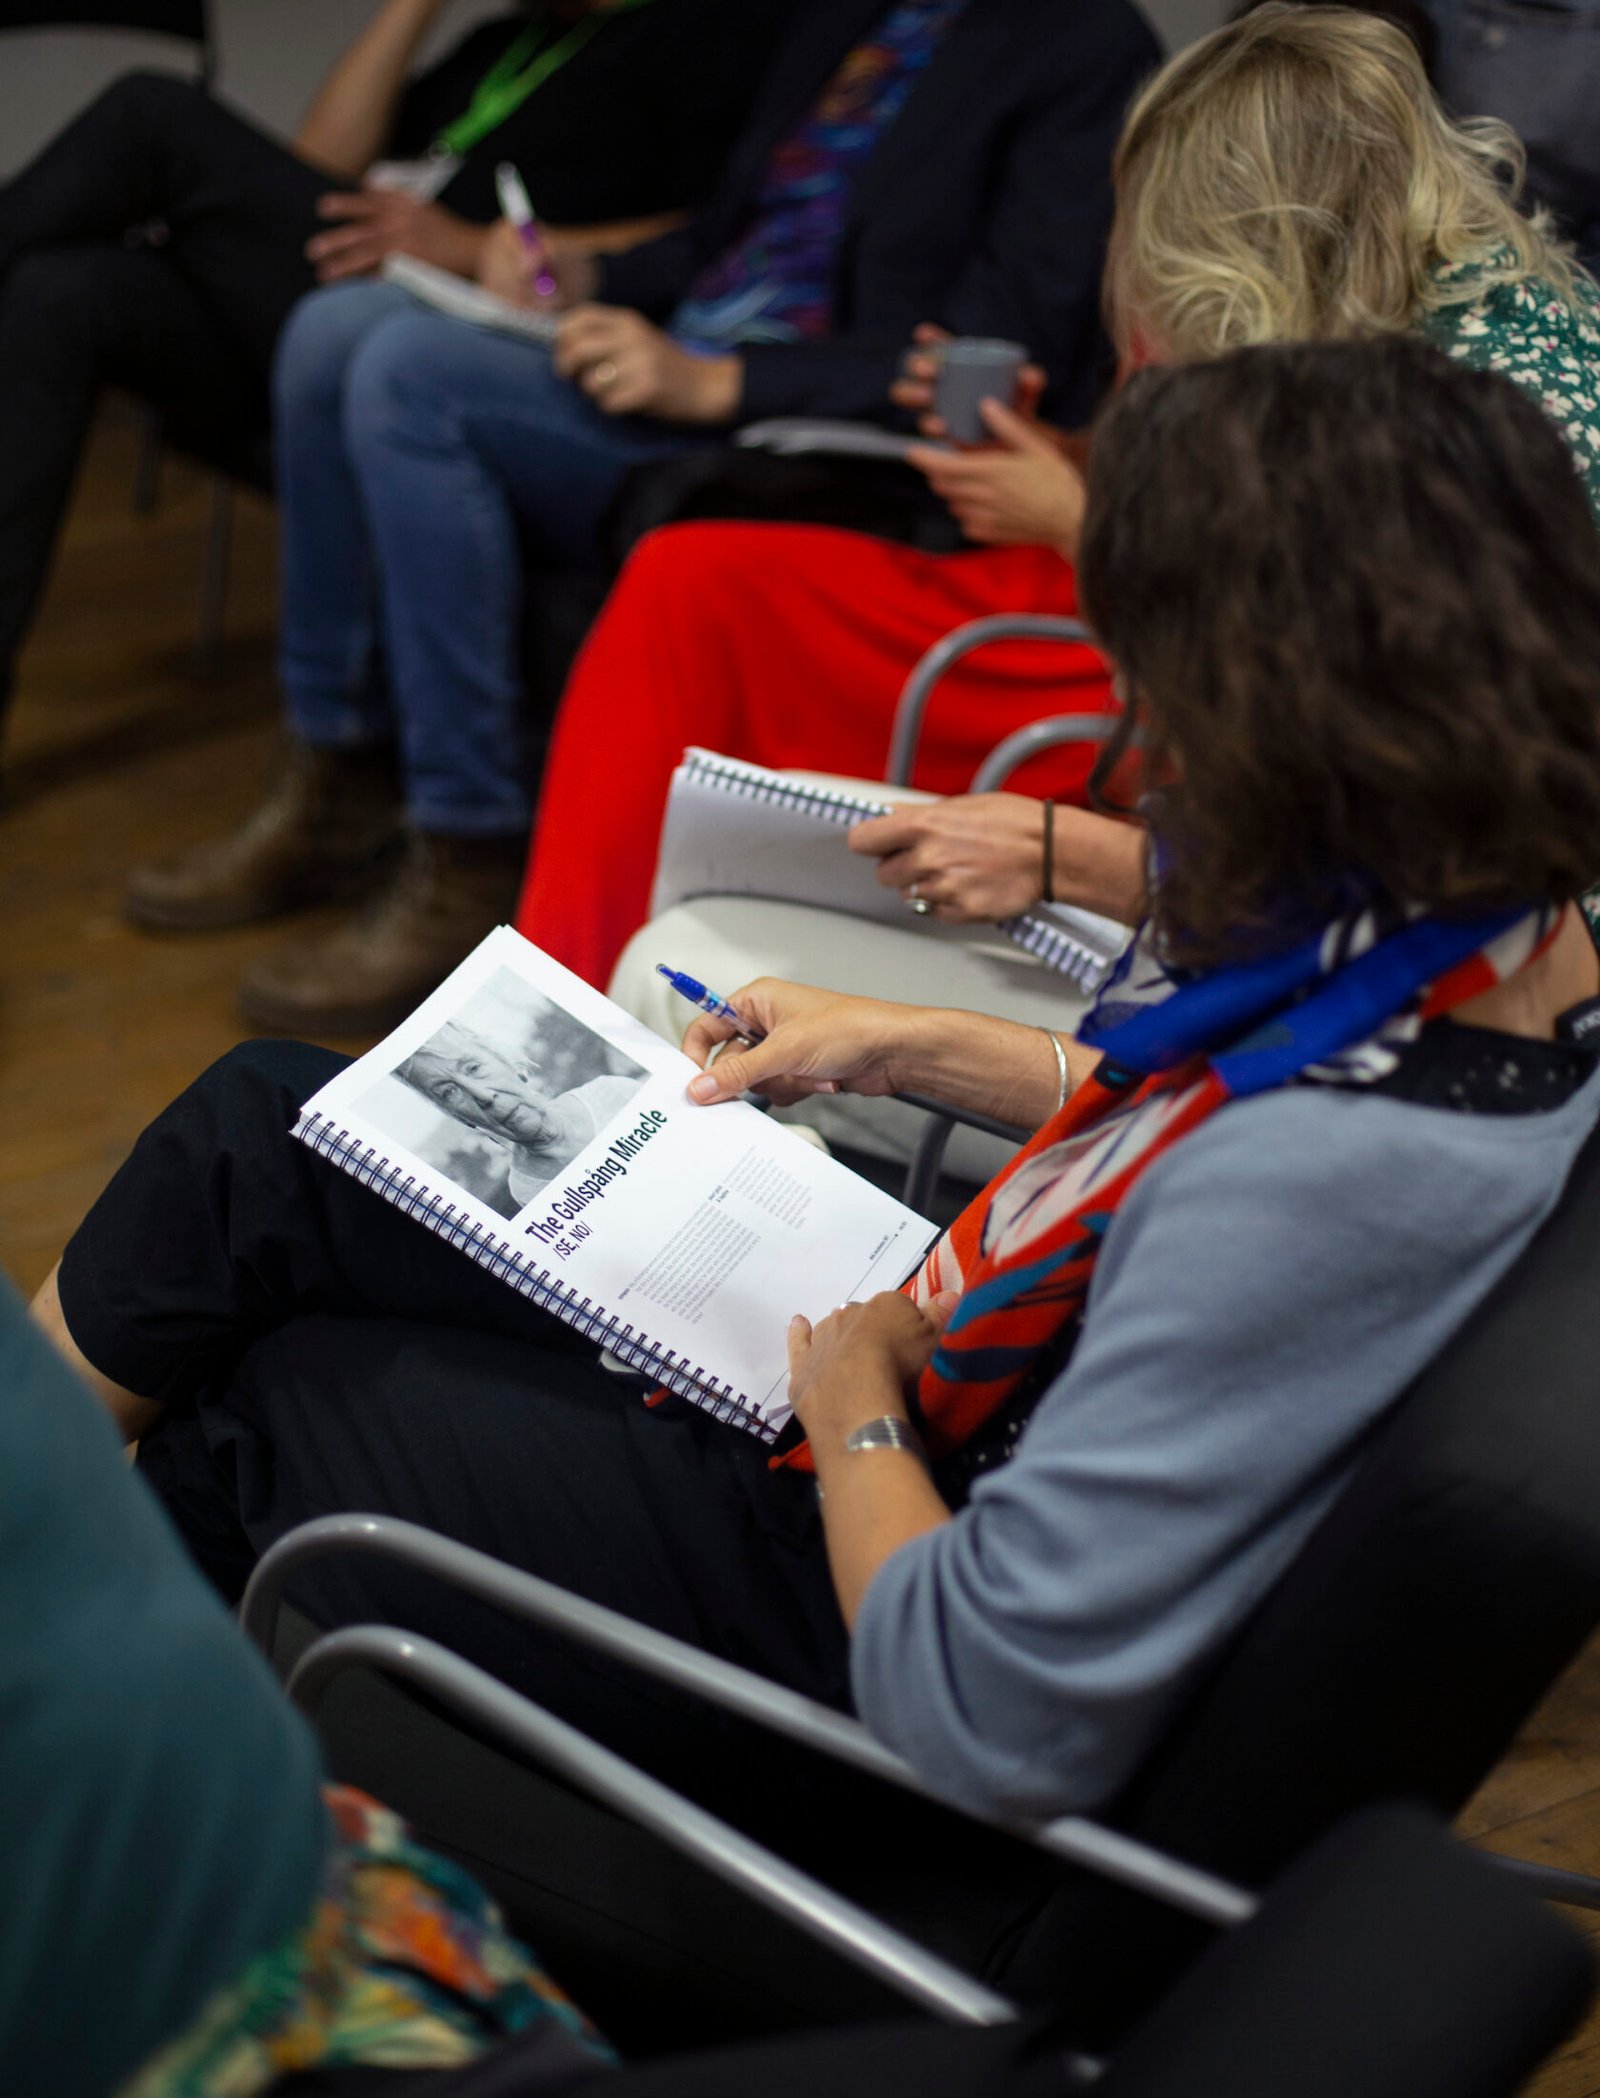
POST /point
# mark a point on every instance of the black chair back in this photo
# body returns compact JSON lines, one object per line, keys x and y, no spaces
{"x":1386,"y":1964}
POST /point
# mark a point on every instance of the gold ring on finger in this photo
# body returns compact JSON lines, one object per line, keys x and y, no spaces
{"x":604,"y":373}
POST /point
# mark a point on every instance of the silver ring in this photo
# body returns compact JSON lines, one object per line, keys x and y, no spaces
{"x":919,"y":904}
{"x":729,"y":1041}
{"x":604,"y":373}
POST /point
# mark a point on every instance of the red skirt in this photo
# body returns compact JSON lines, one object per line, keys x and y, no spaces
{"x":785,"y":645}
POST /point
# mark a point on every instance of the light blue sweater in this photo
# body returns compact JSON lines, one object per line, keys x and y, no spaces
{"x":1268,"y":1290}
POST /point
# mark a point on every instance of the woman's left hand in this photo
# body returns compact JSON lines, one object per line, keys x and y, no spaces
{"x":859,"y":1362}
{"x":973,"y":857}
{"x":628,"y":366}
{"x":374,"y":223}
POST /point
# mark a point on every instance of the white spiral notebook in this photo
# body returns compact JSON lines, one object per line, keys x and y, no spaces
{"x":465,"y":301}
{"x":805,"y":436}
{"x":734,"y":829}
{"x":546,"y":1133}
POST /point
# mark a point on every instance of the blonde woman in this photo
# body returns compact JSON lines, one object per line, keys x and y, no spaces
{"x":1294,"y":178}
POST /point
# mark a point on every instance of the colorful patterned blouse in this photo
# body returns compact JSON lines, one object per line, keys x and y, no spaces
{"x":1544,"y":344}
{"x":776,"y":283}
{"x":404,"y":1964}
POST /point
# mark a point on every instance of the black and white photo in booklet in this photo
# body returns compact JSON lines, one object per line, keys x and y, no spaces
{"x":548,"y":1134}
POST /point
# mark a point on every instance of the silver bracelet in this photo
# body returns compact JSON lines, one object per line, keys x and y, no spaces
{"x":1064,"y":1075}
{"x":887,"y":1432}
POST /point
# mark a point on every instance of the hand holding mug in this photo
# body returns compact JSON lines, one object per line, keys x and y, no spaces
{"x":917,"y":384}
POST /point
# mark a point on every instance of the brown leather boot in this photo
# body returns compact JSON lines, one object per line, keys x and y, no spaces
{"x":328,"y":827}
{"x":370,"y":971}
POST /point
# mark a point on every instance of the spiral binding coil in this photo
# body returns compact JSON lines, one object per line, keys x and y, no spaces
{"x":452,"y":1222}
{"x":1045,"y":938}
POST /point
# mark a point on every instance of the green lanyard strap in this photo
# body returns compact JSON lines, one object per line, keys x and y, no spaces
{"x":521,"y":68}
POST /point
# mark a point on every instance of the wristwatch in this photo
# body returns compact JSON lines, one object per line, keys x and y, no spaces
{"x":887,"y":1432}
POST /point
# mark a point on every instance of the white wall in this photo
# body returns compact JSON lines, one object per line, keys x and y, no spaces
{"x":1179,"y":22}
{"x":272,"y":54}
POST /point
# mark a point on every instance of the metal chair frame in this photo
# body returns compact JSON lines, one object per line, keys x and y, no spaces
{"x":1050,"y":733}
{"x":912,"y":706}
{"x":931,"y":1983}
{"x":879,"y":1950}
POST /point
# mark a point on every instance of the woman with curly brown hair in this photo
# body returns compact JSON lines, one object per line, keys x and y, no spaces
{"x":1355,"y":595}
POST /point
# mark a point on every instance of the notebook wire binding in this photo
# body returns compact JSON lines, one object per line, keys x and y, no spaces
{"x":1056,"y":945}
{"x":512,"y":1265}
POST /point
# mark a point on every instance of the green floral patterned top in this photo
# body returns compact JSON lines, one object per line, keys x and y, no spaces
{"x":1548,"y":347}
{"x":1551,"y":349}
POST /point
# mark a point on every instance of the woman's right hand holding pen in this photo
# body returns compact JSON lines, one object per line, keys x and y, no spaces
{"x":813,"y":1041}
{"x":801,"y":1041}
{"x":508,"y":267}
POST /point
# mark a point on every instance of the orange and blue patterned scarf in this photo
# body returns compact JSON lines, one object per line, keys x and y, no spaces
{"x":1336,"y":1008}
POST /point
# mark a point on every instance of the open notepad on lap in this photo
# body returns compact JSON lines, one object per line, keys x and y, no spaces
{"x":545,"y":1132}
{"x":465,"y":301}
{"x":733,"y":829}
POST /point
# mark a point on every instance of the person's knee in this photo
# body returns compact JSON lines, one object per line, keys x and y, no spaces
{"x":705,"y":563}
{"x":687,"y":553}
{"x":404,"y":377}
{"x":240,"y":1109}
{"x":144,"y":99}
{"x":252,"y":1094}
{"x":271,"y":1065}
{"x":325,"y":332}
{"x":424,"y":380}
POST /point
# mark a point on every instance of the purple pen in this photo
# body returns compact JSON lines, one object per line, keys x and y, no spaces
{"x":694,"y":990}
{"x":517,"y":209}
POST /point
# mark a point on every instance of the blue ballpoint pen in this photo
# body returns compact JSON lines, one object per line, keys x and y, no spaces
{"x":694,"y":990}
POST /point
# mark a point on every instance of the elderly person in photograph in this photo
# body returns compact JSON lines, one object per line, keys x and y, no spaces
{"x":505,"y":1098}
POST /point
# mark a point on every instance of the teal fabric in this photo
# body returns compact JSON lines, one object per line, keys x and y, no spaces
{"x":160,"y":1822}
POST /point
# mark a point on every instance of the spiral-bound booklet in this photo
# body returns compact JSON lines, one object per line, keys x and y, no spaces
{"x":546,"y":1133}
{"x":734,"y":829}
{"x":466,"y":301}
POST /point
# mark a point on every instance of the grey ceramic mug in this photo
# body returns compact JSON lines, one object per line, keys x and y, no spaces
{"x":975,"y":368}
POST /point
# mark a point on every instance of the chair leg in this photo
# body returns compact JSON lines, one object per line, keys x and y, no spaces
{"x":147,"y":467}
{"x":1576,"y":1890}
{"x":214,"y":577}
{"x":922,"y":1170}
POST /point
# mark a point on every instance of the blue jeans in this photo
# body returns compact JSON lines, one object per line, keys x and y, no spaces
{"x":411,"y":447}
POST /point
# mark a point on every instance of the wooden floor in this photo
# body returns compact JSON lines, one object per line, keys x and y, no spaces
{"x":119,"y":751}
